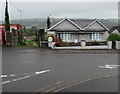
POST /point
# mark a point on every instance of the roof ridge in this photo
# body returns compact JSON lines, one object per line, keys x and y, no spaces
{"x":83,"y":19}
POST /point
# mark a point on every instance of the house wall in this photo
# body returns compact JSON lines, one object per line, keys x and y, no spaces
{"x":82,"y":36}
{"x":51,"y":32}
{"x":104,"y":36}
{"x":86,"y":37}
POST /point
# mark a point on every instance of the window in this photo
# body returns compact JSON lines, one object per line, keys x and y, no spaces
{"x":95,"y":36}
{"x":90,"y":36}
{"x":69,"y":36}
{"x":65,"y":37}
{"x":61,"y":36}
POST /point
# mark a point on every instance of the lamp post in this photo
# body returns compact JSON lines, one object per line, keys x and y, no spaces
{"x":20,"y":15}
{"x":21,"y":34}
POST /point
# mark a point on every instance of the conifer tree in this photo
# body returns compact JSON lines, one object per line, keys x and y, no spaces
{"x":48,"y":22}
{"x":7,"y":23}
{"x":7,"y":26}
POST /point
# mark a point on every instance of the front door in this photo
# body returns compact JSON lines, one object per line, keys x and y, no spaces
{"x":76,"y":40}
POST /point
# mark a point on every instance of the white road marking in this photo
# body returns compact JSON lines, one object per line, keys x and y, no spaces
{"x":25,"y":77}
{"x":3,"y":76}
{"x":115,"y":65}
{"x":109,"y":66}
{"x":5,"y":82}
{"x":20,"y":78}
{"x":12,"y":75}
{"x":42,"y":72}
{"x":59,"y":82}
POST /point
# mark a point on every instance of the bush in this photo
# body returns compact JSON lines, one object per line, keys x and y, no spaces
{"x":114,"y":37}
{"x":30,"y":43}
{"x":57,"y":40}
{"x":34,"y":39}
{"x":46,"y":37}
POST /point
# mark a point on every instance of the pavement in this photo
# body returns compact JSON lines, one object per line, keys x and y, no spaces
{"x":32,"y":69}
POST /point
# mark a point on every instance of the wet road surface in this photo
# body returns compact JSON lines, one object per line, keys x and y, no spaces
{"x":27,"y":69}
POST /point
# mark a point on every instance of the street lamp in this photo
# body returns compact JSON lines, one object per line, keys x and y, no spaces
{"x":20,"y":15}
{"x":22,"y":32}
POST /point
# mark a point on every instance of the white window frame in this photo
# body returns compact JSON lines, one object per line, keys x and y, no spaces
{"x":96,"y":36}
{"x":66,"y":37}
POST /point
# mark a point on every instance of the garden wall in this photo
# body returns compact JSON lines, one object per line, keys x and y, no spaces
{"x":117,"y":44}
{"x":83,"y":46}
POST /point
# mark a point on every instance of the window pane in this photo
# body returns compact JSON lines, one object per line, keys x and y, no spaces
{"x":90,"y":36}
{"x":99,"y":36}
{"x":93,"y":36}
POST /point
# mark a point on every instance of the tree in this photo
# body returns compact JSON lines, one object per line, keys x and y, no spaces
{"x":8,"y":40}
{"x":7,"y":23}
{"x":48,"y":22}
{"x":33,"y":29}
{"x":114,"y":37}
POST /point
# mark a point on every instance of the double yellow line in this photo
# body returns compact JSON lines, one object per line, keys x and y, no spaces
{"x":58,"y":86}
{"x":46,"y":88}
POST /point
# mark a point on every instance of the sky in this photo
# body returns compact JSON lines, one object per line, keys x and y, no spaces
{"x":59,"y":9}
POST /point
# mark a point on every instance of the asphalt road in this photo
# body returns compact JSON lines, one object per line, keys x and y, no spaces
{"x":27,"y":69}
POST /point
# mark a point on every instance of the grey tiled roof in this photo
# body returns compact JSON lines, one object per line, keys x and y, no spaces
{"x":113,"y":28}
{"x":82,"y":23}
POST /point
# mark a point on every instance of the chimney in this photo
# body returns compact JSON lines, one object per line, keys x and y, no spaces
{"x":48,"y":22}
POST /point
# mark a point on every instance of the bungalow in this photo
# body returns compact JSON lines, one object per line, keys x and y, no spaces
{"x":69,"y":30}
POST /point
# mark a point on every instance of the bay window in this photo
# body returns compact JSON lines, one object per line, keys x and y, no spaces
{"x":95,"y":36}
{"x":65,"y":37}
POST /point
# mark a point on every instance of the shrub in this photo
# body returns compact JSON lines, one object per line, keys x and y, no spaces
{"x":56,"y":40}
{"x":34,"y":38}
{"x":46,"y":37}
{"x":114,"y":37}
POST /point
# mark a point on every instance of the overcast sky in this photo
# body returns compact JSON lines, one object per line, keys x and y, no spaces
{"x":61,"y":9}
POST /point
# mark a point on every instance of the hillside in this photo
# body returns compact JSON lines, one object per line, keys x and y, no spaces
{"x":41,"y":22}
